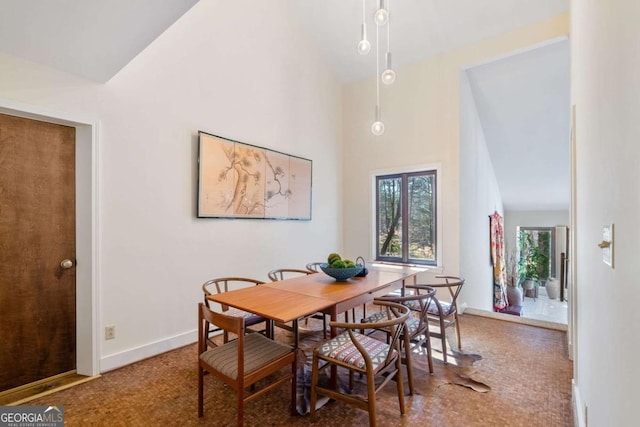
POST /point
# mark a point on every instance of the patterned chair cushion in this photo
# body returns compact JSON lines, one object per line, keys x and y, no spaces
{"x":258,"y":351}
{"x":414,"y":305}
{"x":433,"y":308}
{"x":378,"y":316}
{"x":249,"y":318}
{"x":411,"y":325}
{"x":343,"y":349}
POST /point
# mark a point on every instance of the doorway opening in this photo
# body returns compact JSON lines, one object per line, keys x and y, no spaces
{"x":542,"y":270}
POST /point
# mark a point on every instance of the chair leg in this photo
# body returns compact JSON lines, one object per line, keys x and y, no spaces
{"x":443,"y":337}
{"x":200,"y":391}
{"x":427,"y":342}
{"x":240,"y":397}
{"x":400,"y":386}
{"x":314,"y":383}
{"x":407,"y":355}
{"x":371,"y":399}
{"x":457,"y":326}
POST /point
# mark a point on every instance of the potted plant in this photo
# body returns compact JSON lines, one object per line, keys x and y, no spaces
{"x":533,"y":265}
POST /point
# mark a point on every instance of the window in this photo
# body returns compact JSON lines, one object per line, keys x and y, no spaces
{"x":406,"y":217}
{"x":537,"y":251}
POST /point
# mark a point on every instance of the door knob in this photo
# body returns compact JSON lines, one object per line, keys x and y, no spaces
{"x":66,"y":263}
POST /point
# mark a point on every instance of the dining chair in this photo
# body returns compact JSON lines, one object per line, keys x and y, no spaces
{"x":363,"y":354}
{"x":445,"y":314}
{"x":224,"y":284}
{"x":416,"y":330}
{"x":282,"y":274}
{"x":314,"y":266}
{"x":242,"y":362}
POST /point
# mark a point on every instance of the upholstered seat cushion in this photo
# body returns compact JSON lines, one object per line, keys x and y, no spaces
{"x":377,"y":316}
{"x":433,"y":308}
{"x":258,"y":351}
{"x":343,"y":349}
{"x":411,"y":325}
{"x":249,"y":318}
{"x":413,"y":305}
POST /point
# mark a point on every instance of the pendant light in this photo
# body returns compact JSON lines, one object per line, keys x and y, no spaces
{"x":382,"y":15}
{"x":388,"y":75}
{"x":363,"y":46}
{"x":377,"y":128}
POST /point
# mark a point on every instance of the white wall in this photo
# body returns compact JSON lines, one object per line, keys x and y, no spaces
{"x":242,"y":70}
{"x":479,"y":198}
{"x":422,"y":116}
{"x":606,"y":94}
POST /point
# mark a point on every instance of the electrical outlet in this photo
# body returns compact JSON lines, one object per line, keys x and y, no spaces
{"x":109,"y":332}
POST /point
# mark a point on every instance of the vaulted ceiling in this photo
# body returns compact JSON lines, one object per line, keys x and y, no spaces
{"x":518,"y":98}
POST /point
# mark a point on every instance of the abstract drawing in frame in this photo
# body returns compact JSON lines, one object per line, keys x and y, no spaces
{"x":237,"y":180}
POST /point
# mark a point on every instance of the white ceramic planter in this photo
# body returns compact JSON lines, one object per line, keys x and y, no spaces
{"x":553,"y":288}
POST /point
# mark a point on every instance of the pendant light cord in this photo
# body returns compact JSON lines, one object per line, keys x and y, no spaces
{"x":388,"y":28}
{"x":377,"y":72}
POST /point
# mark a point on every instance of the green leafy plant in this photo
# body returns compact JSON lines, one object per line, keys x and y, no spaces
{"x":533,"y":263}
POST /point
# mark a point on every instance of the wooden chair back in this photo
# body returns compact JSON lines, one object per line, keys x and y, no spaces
{"x":418,"y":299}
{"x":314,"y":267}
{"x":224,"y":284}
{"x":242,"y":362}
{"x":284,"y":273}
{"x":444,"y":314}
{"x":389,"y":368}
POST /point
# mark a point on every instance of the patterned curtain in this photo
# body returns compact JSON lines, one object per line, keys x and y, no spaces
{"x":497,"y":259}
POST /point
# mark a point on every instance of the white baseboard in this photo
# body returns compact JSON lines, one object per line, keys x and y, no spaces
{"x":127,"y":357}
{"x":516,"y":319}
{"x":579,"y":413}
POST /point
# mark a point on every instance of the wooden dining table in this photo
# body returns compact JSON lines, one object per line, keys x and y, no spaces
{"x":291,"y":299}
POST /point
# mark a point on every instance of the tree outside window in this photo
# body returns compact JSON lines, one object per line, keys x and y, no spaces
{"x":406,"y":217}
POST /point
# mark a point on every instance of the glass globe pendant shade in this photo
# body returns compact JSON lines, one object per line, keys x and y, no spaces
{"x":377,"y":128}
{"x":381,"y":16}
{"x":388,"y":76}
{"x":364,"y":46}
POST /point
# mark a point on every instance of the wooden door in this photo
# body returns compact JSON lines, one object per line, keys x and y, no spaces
{"x":37,"y":232}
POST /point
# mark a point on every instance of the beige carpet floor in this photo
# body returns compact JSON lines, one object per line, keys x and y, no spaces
{"x":523,"y":373}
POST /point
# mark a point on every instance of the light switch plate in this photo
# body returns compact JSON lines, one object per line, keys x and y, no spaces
{"x":607,"y":252}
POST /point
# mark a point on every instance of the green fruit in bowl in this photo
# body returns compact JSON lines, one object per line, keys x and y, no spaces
{"x":333,"y":257}
{"x":338,"y":264}
{"x":349,"y":263}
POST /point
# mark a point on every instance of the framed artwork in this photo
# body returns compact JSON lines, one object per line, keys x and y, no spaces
{"x":238,"y":180}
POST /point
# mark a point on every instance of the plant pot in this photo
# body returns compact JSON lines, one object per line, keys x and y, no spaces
{"x":530,"y":289}
{"x":553,"y":288}
{"x":514,"y":295}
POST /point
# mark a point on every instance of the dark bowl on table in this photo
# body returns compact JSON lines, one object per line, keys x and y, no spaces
{"x":341,"y":274}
